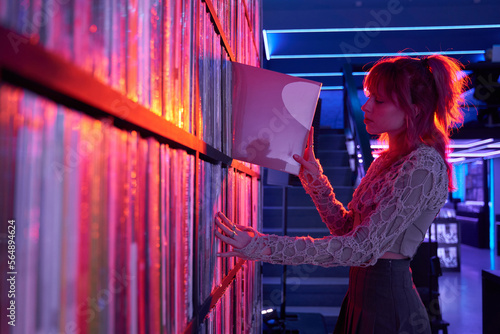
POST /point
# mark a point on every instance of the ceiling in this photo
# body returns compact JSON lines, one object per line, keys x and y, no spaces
{"x":314,"y":38}
{"x":319,"y":36}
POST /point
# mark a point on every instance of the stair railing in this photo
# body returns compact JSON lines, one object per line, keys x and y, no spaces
{"x":357,"y":139}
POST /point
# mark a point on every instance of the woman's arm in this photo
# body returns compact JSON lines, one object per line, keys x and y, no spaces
{"x":421,"y":182}
{"x":332,"y":212}
{"x":338,"y":220}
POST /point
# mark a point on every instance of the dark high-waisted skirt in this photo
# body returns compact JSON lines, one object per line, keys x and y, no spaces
{"x":382,"y":299}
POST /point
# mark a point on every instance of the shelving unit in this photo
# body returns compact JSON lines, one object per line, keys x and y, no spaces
{"x":233,"y":304}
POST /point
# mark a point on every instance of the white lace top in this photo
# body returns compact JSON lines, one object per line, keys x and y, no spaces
{"x":390,"y":211}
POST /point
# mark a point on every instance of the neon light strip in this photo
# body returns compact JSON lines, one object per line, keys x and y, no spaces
{"x":492,"y":207}
{"x":474,"y":203}
{"x":339,"y":74}
{"x":453,"y":160}
{"x":325,"y":74}
{"x":370,"y":29}
{"x":476,"y":155}
{"x":473,"y":144}
{"x":332,"y":87}
{"x":370,"y":55}
{"x":384,"y":146}
{"x":266,"y":47}
{"x":473,"y":149}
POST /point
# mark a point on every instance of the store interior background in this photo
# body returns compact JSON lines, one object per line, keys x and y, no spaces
{"x":59,"y":85}
{"x":314,"y":40}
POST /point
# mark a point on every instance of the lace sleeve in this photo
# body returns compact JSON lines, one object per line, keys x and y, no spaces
{"x":338,"y":220}
{"x":417,"y":184}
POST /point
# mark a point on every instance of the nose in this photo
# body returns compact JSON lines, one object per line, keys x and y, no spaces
{"x":365,"y":106}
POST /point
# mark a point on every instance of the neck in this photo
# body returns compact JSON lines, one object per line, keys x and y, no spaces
{"x":394,"y":143}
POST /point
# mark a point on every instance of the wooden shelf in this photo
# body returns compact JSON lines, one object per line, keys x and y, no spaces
{"x":218,"y":29}
{"x":30,"y":66}
{"x":251,"y":29}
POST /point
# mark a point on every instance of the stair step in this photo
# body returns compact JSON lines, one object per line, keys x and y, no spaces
{"x":304,"y":217}
{"x":297,"y":196}
{"x":325,"y":311}
{"x":299,"y":294}
{"x":330,"y":315}
{"x":305,"y":270}
{"x":331,"y":142}
{"x":339,"y":176}
{"x":310,"y":289}
{"x":273,"y":196}
{"x":273,"y":218}
{"x":333,"y":158}
{"x":327,"y":131}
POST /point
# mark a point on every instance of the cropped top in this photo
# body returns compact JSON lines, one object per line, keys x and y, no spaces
{"x":391,"y":210}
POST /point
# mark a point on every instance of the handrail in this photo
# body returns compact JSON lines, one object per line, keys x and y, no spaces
{"x":353,"y":123}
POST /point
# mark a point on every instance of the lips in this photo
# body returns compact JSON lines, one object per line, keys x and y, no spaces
{"x":366,"y":120}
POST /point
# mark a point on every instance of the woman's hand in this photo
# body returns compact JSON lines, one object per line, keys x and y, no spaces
{"x":308,"y":162}
{"x":237,"y":236}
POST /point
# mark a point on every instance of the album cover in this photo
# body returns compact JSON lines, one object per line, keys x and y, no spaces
{"x":272,"y":115}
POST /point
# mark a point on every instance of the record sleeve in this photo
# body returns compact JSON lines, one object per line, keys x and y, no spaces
{"x":272,"y":114}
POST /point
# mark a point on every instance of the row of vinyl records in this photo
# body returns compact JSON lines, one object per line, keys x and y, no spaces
{"x":167,"y":56}
{"x":107,"y":223}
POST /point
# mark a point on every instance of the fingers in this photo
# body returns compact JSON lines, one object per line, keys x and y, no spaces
{"x":224,"y":224}
{"x":226,"y":239}
{"x":224,"y":219}
{"x":309,"y":151}
{"x":299,"y":159}
{"x":309,"y":166}
{"x":229,"y":229}
{"x":237,"y":236}
{"x":310,"y":140}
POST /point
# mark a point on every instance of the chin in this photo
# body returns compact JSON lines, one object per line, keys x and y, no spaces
{"x":370,"y":131}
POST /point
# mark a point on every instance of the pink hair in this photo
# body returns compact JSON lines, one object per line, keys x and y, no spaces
{"x":429,"y":91}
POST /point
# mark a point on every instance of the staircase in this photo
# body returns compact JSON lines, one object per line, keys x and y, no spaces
{"x":310,"y":289}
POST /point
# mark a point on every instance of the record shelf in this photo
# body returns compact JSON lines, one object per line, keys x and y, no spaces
{"x":116,"y":137}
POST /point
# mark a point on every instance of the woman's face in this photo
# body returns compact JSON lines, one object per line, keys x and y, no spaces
{"x":382,"y":115}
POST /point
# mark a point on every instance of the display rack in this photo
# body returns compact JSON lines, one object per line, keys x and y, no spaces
{"x":27,"y":65}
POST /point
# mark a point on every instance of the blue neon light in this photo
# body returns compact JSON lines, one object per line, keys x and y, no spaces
{"x":332,"y":87}
{"x":266,"y":44}
{"x":368,"y":55}
{"x":370,"y":29}
{"x":459,"y":171}
{"x":324,"y":74}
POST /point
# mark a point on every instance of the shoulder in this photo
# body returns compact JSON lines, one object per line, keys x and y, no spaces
{"x":423,"y":165}
{"x":425,"y":157}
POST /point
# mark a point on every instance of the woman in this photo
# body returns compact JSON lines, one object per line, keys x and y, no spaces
{"x":412,"y":105}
